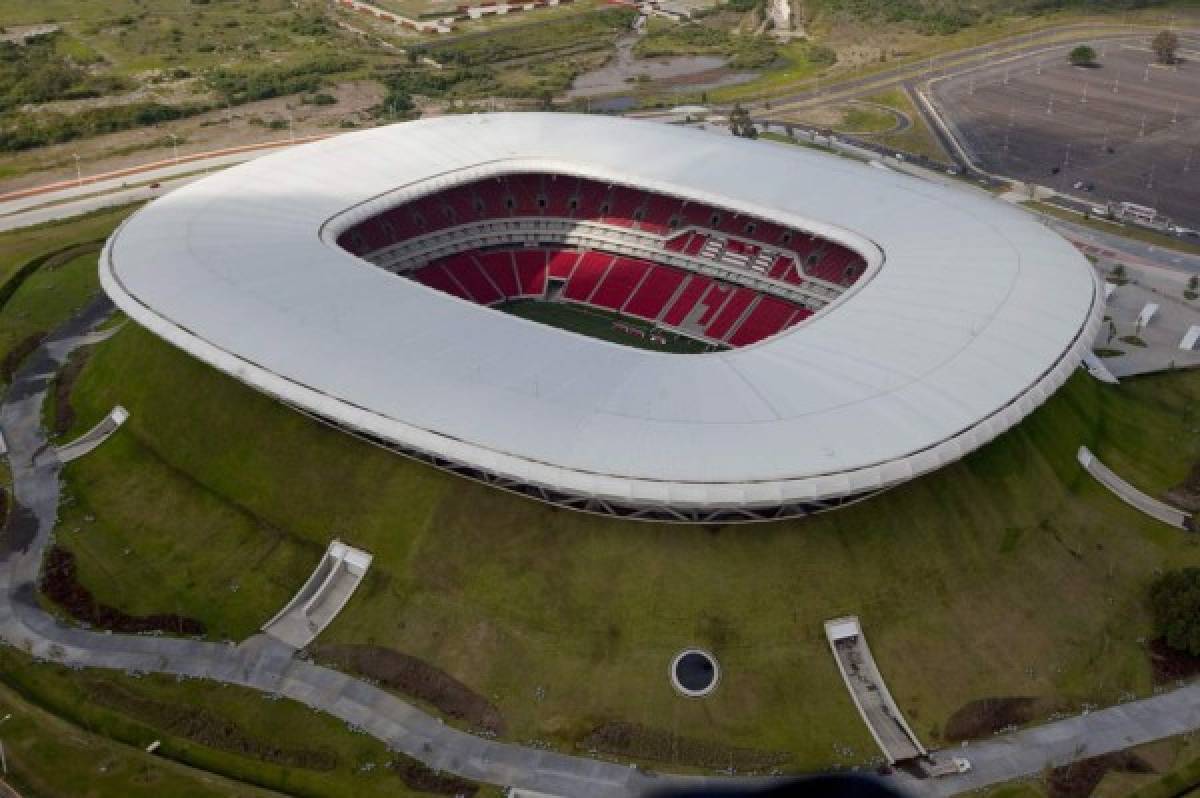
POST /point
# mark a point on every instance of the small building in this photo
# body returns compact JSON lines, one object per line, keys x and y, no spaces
{"x":1141,"y":215}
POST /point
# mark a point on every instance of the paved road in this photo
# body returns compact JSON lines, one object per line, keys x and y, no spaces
{"x":958,"y":61}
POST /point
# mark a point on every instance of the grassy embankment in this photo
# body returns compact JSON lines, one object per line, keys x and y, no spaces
{"x":1010,"y":573}
{"x":79,"y":733}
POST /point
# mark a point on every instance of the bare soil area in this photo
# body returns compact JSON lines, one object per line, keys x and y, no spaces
{"x":60,"y":584}
{"x":1168,"y":665}
{"x":418,"y":777}
{"x":416,"y":678}
{"x":1078,"y":780}
{"x":989,"y":715}
{"x":1186,"y":495}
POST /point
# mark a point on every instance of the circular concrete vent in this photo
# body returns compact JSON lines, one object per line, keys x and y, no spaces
{"x":694,"y":673}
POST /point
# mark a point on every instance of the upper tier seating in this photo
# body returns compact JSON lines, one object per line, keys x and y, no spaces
{"x":561,"y":191}
{"x":564,"y":196}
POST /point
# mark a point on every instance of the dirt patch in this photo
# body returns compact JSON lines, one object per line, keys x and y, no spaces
{"x":64,"y":384}
{"x":416,"y":678}
{"x":659,"y":745}
{"x":207,"y":728}
{"x":15,"y":356}
{"x":60,"y":584}
{"x":1186,"y":495}
{"x":1168,"y":665}
{"x":420,"y":778}
{"x":1078,"y":780}
{"x":988,"y":716}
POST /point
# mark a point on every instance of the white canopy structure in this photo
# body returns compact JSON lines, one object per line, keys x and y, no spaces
{"x":970,"y":316}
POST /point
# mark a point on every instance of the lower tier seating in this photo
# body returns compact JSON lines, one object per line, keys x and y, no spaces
{"x":693,"y":304}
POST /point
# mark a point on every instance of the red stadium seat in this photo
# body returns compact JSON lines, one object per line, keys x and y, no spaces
{"x":768,"y":317}
{"x":562,"y":263}
{"x":652,"y":296}
{"x":435,"y":276}
{"x":697,"y":285}
{"x":531,"y":271}
{"x":463,"y":270}
{"x":622,"y":278}
{"x":730,"y":312}
{"x":587,"y":276}
{"x":560,"y":190}
{"x":498,"y":266}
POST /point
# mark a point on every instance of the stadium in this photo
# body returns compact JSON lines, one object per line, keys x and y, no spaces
{"x":771,"y":332}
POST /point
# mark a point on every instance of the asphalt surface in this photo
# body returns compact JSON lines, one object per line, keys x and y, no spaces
{"x":1128,"y":127}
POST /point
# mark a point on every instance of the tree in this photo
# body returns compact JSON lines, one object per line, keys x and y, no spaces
{"x":1165,"y":45}
{"x":1175,"y":603}
{"x":740,"y":123}
{"x":1083,"y":55}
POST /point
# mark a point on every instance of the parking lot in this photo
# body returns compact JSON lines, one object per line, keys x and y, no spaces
{"x":1127,"y":129}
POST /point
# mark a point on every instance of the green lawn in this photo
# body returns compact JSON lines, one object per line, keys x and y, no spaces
{"x":52,"y":758}
{"x":17,"y":247}
{"x":251,"y":740}
{"x":918,"y":138}
{"x":52,"y":293}
{"x":596,"y":323}
{"x":1010,"y":573}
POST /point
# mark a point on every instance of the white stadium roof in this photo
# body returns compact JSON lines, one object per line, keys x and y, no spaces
{"x":972,"y":317}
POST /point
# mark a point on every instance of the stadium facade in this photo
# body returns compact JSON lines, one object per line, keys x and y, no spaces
{"x":864,"y":327}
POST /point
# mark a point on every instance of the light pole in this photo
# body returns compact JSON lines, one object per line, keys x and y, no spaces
{"x":78,"y":170}
{"x":175,"y":147}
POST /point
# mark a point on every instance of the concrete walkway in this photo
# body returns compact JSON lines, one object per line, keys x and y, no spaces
{"x":262,"y":663}
{"x":1104,"y":731}
{"x":91,"y":440}
{"x":1127,"y":493}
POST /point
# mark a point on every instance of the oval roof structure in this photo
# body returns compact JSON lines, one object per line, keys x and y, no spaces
{"x":972,"y":316}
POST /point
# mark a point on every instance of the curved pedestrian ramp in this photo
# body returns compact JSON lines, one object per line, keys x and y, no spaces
{"x":1131,"y":495}
{"x":322,"y":597}
{"x":97,"y":435}
{"x":869,"y":693}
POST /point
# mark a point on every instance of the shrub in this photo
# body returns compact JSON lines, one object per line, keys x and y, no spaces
{"x":242,"y":85}
{"x":1175,"y":602}
{"x":1083,"y":55}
